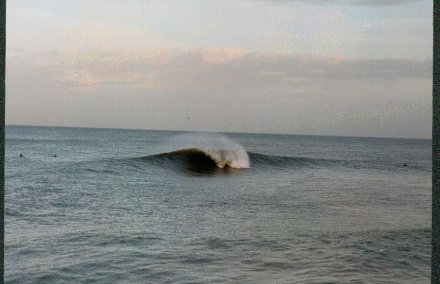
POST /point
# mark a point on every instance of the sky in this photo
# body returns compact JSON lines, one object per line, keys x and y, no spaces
{"x":314,"y":67}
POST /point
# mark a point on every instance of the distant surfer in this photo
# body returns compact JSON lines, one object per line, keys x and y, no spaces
{"x":21,"y":155}
{"x":55,"y":155}
{"x":405,"y":165}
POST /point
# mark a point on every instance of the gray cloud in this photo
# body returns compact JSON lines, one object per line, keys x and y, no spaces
{"x":296,"y":66}
{"x":192,"y":68}
{"x":248,"y":92}
{"x":164,"y":65}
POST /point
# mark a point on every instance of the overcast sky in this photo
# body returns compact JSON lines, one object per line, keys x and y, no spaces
{"x":321,"y":67}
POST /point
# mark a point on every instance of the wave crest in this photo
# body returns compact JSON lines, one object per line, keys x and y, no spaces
{"x":210,"y":152}
{"x":202,"y":161}
{"x":220,"y":149}
{"x":236,"y":158}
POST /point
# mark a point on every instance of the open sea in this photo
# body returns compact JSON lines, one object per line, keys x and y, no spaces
{"x":138,"y":206}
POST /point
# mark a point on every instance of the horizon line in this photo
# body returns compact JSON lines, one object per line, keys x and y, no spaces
{"x":232,"y":132}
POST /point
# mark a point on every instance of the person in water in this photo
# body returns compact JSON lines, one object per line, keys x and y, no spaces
{"x":21,"y":155}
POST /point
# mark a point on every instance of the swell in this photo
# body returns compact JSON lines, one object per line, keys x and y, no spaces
{"x":201,"y":160}
{"x":206,"y":161}
{"x":283,"y":162}
{"x":192,"y":160}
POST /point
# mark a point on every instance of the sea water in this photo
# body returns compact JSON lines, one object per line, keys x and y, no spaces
{"x":175,"y":207}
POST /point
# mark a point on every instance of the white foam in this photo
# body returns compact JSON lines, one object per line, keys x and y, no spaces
{"x":220,"y":148}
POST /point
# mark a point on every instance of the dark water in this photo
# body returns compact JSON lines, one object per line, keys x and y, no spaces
{"x":117,"y":206}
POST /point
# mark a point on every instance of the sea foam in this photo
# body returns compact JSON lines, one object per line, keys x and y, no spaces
{"x":221,"y":149}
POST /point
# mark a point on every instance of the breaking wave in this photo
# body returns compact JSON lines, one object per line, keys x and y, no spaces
{"x":201,"y":160}
{"x":236,"y":159}
{"x":211,"y":152}
{"x":203,"y":151}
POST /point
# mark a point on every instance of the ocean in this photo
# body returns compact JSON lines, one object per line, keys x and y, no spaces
{"x":139,"y":206}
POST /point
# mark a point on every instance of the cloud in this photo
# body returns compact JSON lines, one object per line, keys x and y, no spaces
{"x":101,"y":74}
{"x":262,"y":91}
{"x":224,"y":68}
{"x":94,"y":54}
